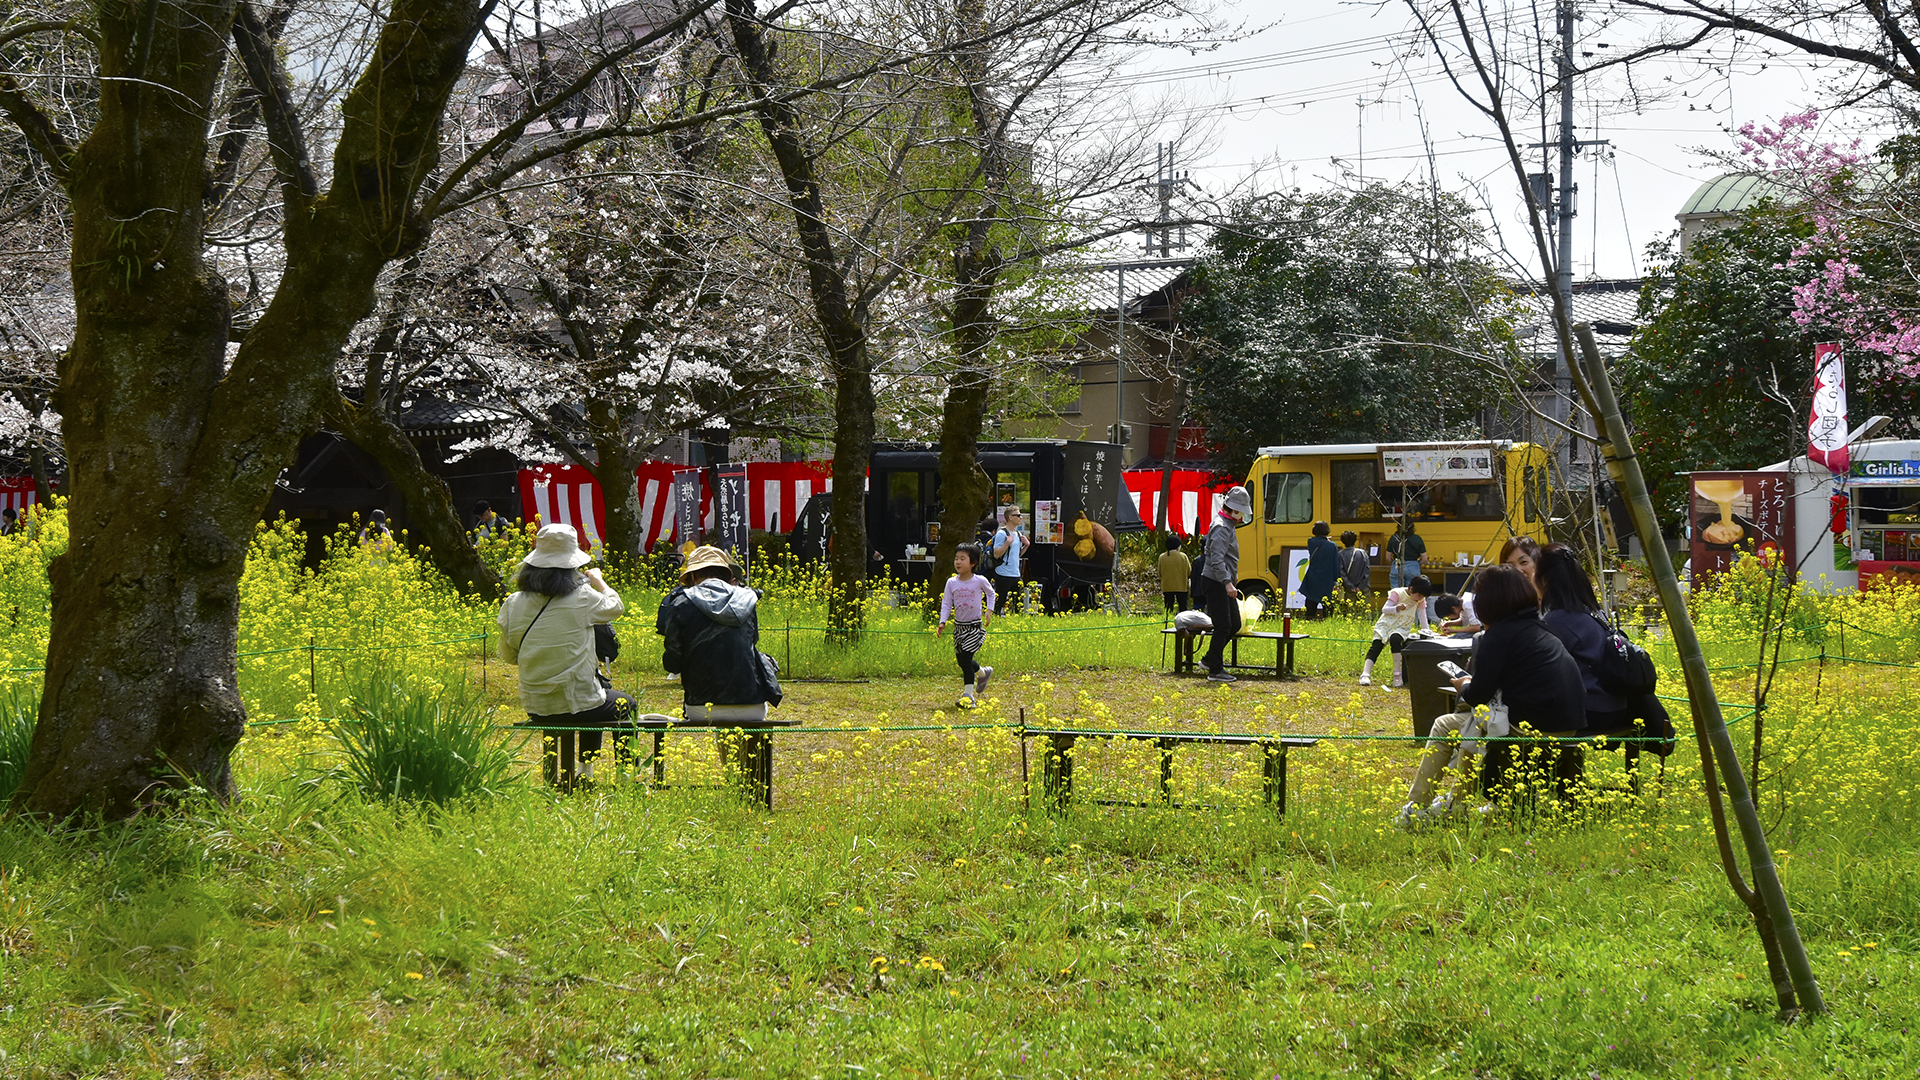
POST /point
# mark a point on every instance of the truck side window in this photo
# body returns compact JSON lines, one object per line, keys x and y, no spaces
{"x":1287,"y":497}
{"x":1534,"y":489}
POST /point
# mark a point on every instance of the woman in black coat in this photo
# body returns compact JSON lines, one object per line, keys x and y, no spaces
{"x":1519,"y":659}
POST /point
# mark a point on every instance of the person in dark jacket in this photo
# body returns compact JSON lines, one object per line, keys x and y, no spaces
{"x":712,"y":632}
{"x":1518,"y":658}
{"x":1572,"y":613}
{"x":1323,"y":569}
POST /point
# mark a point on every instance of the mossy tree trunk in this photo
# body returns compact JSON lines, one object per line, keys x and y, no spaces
{"x":172,"y":451}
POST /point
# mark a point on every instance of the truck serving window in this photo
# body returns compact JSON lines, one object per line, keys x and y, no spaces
{"x":1288,"y":497}
{"x":1354,"y":496}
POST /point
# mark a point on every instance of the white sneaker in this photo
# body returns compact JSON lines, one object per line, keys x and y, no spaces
{"x":965,"y":700}
{"x":1366,"y":680}
{"x":1441,"y":806}
{"x":980,"y":680}
{"x":1410,"y":816}
{"x":1398,"y":683}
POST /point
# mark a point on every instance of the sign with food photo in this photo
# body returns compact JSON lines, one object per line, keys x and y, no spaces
{"x":1735,"y":512}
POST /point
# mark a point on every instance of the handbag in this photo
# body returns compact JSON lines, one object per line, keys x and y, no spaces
{"x":769,"y":679}
{"x":1625,"y":669}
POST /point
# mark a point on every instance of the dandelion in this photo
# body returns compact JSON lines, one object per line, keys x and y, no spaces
{"x":415,"y":975}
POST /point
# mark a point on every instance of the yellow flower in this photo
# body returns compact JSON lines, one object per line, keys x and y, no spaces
{"x":415,"y":975}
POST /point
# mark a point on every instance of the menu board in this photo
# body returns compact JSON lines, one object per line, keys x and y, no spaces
{"x":1412,"y":464}
{"x":1735,"y":512}
{"x":1047,"y":526}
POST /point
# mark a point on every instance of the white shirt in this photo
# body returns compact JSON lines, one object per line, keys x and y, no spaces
{"x":556,"y":658}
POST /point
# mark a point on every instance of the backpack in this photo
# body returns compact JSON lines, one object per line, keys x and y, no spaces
{"x":1655,"y":724}
{"x":1625,"y":669}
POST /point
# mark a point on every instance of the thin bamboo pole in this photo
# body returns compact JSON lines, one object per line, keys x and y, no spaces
{"x":1625,"y":467}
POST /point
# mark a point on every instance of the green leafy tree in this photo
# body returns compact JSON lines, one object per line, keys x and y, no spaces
{"x":1715,"y":376}
{"x":1345,"y":317}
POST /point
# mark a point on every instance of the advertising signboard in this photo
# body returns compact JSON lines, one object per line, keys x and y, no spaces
{"x":1734,"y":512}
{"x":1415,"y":464}
{"x":688,"y":530}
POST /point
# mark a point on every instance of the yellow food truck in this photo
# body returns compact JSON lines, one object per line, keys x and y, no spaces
{"x":1464,"y":498}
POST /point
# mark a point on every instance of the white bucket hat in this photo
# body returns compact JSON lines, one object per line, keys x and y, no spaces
{"x":557,"y":545}
{"x":1239,"y":501}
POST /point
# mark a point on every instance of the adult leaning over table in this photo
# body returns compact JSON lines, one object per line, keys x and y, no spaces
{"x":1520,"y":660}
{"x":546,"y":630}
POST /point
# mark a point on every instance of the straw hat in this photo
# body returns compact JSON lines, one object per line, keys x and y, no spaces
{"x":704,"y":558}
{"x":557,"y":545}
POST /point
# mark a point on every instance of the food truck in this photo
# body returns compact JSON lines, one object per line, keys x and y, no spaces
{"x":1463,"y":498}
{"x":1056,"y":483}
{"x":1874,"y":534}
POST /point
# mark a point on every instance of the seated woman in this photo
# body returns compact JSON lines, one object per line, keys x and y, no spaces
{"x":712,"y":631}
{"x":1520,"y":663}
{"x":547,"y":631}
{"x":1572,"y":612}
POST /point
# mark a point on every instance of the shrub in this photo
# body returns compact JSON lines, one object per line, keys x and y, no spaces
{"x":423,"y":743}
{"x":19,"y":711}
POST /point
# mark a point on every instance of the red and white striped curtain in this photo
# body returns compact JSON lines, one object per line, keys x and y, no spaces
{"x":565,"y":494}
{"x":16,"y":493}
{"x":1196,"y":496}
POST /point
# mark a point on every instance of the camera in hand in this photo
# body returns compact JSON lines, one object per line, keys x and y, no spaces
{"x":1452,"y":670}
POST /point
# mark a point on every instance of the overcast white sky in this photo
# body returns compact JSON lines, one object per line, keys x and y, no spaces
{"x":1326,"y":92}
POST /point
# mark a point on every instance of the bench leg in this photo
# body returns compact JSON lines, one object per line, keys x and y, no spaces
{"x":659,"y":761}
{"x":1275,"y":770}
{"x":1056,"y":773}
{"x":564,"y":761}
{"x":1166,"y":771}
{"x":748,"y":757}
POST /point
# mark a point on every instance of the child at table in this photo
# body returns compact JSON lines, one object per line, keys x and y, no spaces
{"x":1404,"y":607}
{"x":968,"y":598}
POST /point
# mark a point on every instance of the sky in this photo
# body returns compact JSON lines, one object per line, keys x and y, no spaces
{"x":1320,"y":93}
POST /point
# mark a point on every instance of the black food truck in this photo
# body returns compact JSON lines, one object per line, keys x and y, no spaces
{"x":1051,"y":480}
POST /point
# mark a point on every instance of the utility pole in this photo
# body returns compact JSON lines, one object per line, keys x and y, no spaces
{"x":1563,"y":208}
{"x":1161,"y":240}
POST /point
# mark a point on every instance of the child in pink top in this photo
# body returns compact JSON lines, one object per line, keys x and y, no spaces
{"x":968,"y":598}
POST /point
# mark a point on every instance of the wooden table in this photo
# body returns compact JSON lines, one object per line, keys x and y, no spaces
{"x":1186,"y":649}
{"x":1057,"y":769}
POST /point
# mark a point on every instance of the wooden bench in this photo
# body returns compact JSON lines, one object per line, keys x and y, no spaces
{"x":1186,"y":650}
{"x":1057,"y":769}
{"x":753,"y":760}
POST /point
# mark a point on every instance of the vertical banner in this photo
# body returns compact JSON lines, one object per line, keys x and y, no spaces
{"x":730,"y":511}
{"x":1735,"y":512}
{"x":1827,"y":423}
{"x":686,"y":503}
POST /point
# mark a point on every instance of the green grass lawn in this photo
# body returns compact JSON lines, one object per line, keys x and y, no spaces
{"x":907,"y":911}
{"x":901,"y":914}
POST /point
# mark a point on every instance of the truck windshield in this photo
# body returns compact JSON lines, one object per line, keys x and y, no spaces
{"x":1288,"y":497}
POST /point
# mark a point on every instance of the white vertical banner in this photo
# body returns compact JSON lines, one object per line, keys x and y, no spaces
{"x":1827,"y":422}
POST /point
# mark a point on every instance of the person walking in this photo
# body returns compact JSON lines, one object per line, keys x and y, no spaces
{"x":1176,"y":571}
{"x":1220,"y":568}
{"x":1009,"y":549}
{"x":1323,"y":570}
{"x":968,"y":599}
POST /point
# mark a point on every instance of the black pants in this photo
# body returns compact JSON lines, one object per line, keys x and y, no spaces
{"x":1004,"y":587}
{"x":967,"y":639}
{"x":1176,"y":601}
{"x":1224,"y":610}
{"x":591,"y":724}
{"x":1396,"y":642}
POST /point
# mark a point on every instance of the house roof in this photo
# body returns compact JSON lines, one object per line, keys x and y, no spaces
{"x":1610,"y":305}
{"x":1146,"y":285}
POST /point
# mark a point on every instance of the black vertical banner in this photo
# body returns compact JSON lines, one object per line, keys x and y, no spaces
{"x":730,"y":511}
{"x":686,"y":503}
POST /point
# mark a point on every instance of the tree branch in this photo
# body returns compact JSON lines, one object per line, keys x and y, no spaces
{"x":269,"y":79}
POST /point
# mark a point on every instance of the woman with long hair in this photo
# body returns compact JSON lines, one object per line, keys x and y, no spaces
{"x":546,"y":630}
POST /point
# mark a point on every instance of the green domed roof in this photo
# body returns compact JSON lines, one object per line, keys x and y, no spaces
{"x":1729,"y":192}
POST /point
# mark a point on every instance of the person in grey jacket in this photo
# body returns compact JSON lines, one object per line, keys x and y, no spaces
{"x":712,"y":632}
{"x":1220,"y":568}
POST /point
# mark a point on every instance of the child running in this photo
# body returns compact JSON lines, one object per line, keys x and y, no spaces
{"x":1397,"y":616}
{"x":968,"y":598}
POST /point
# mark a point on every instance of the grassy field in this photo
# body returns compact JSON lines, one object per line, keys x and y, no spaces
{"x":905,"y":912}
